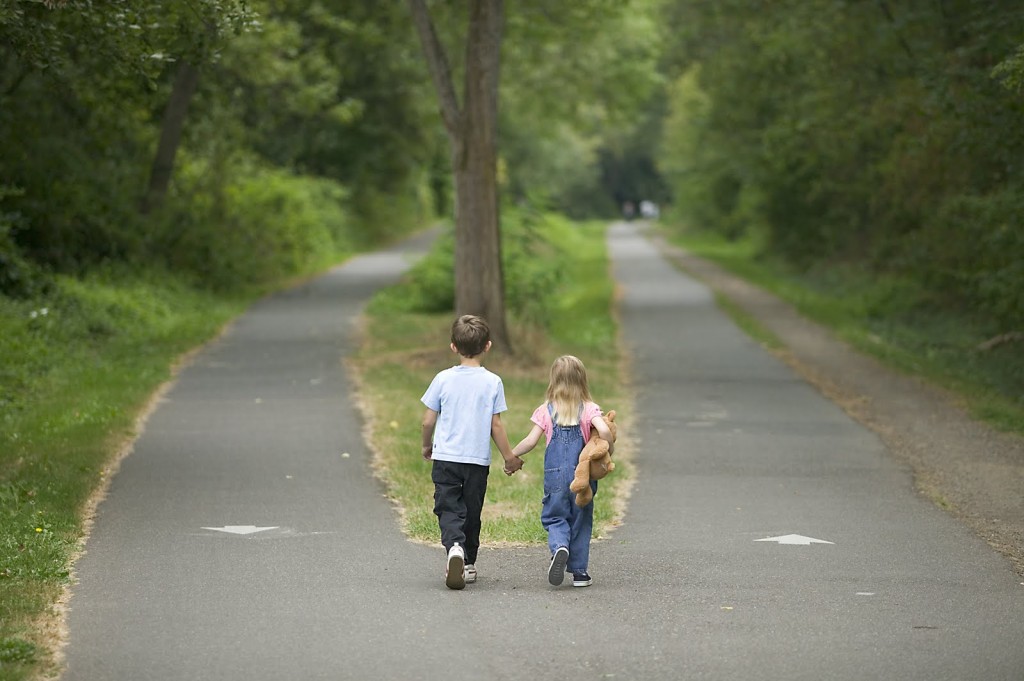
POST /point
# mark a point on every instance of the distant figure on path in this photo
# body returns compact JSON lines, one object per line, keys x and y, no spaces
{"x":649,"y":210}
{"x":567,"y":419}
{"x":464,"y":405}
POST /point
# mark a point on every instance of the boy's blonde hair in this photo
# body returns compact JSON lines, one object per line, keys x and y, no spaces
{"x":567,"y":389}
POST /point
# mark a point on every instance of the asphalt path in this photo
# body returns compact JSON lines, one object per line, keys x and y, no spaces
{"x":731,"y":449}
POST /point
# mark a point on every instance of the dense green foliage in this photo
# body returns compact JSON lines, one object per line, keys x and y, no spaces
{"x":883,"y":136}
{"x":306,"y":136}
{"x":322,"y":91}
{"x":577,"y":78}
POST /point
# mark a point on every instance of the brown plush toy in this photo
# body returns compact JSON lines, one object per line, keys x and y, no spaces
{"x":595,"y":463}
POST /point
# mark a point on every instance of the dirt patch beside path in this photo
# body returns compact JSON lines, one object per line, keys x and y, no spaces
{"x":967,"y":468}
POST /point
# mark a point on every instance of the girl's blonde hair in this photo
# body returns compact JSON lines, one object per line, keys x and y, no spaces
{"x":567,"y":389}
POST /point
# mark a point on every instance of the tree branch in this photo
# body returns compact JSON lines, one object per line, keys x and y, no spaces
{"x":884,"y":6}
{"x":15,"y":84}
{"x":185,"y":83}
{"x":1010,"y":337}
{"x":437,"y":62}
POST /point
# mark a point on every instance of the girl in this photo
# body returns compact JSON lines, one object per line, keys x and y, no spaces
{"x":567,"y":419}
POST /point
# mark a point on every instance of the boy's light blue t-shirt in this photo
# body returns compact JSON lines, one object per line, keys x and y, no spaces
{"x":465,"y":399}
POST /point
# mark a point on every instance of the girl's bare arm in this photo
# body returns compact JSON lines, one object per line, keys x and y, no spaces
{"x":604,"y":432}
{"x":528,"y":442}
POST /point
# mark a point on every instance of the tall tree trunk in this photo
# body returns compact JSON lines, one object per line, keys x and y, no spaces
{"x":185,"y":83}
{"x":472,"y":133}
{"x":479,"y":284}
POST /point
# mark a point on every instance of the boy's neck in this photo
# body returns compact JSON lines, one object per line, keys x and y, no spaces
{"x":471,"y":361}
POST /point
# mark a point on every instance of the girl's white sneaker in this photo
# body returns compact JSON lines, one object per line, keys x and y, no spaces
{"x":470,"y":572}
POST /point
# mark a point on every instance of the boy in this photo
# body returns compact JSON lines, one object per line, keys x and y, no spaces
{"x":464,"y":405}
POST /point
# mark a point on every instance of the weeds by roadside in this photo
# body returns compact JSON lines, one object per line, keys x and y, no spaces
{"x":78,"y":365}
{"x":893,"y":319}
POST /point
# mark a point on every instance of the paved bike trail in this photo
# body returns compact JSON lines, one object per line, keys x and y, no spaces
{"x":731,"y":449}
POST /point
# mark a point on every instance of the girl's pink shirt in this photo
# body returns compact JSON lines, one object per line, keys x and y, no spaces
{"x":542,"y":418}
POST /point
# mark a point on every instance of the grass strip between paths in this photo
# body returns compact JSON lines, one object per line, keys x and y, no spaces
{"x":402,"y":351}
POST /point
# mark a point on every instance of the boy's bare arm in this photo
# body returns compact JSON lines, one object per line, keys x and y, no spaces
{"x":429,"y":423}
{"x":529,"y":442}
{"x":500,"y":437}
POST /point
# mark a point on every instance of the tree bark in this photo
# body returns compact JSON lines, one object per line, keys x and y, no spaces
{"x":185,"y":83}
{"x":472,"y":133}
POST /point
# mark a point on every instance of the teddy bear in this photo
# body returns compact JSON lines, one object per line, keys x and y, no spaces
{"x":595,"y":463}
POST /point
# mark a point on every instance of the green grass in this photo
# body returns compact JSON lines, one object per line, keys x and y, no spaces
{"x":403,"y":350}
{"x":894,"y":319}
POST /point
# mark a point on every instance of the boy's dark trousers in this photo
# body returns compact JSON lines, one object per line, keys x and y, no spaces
{"x":459,"y":490}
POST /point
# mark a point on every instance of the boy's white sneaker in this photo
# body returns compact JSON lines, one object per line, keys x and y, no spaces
{"x":454,"y":575}
{"x":470,"y":571}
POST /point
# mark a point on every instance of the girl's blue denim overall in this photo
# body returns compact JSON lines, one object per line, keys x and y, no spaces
{"x":567,"y":524}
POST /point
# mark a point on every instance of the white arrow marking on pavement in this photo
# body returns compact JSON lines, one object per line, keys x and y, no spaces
{"x":795,"y":539}
{"x":240,"y":529}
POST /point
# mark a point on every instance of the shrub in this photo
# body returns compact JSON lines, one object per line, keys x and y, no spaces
{"x":529,"y":240}
{"x":531,"y":243}
{"x":262,"y":226}
{"x":16,"y":650}
{"x":429,"y":286}
{"x":377,"y":217}
{"x":19,"y":277}
{"x":973,"y":252}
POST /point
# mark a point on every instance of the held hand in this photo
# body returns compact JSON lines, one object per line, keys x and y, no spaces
{"x":428,"y":451}
{"x":512,"y":465}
